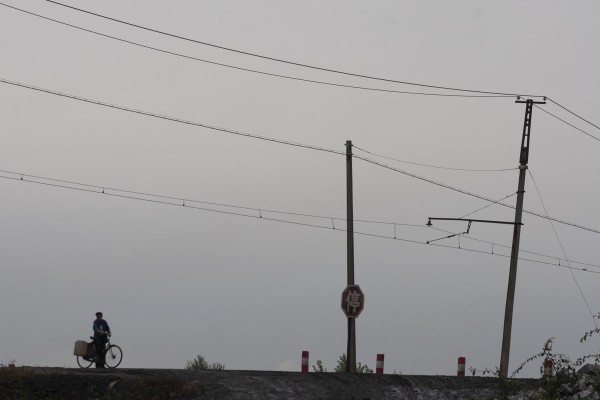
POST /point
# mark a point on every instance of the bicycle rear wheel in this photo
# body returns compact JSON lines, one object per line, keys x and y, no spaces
{"x":113,"y":356}
{"x":83,"y":363}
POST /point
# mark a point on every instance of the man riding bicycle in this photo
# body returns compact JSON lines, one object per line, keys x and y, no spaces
{"x":101,"y":330}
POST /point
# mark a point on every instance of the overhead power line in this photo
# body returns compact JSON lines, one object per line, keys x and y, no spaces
{"x":508,"y":256}
{"x":259,"y":213}
{"x":181,"y":200}
{"x":567,"y":123}
{"x":289,"y":143}
{"x":434,"y":166}
{"x":279,"y":60}
{"x":488,"y":205}
{"x":494,"y":245}
{"x":315,"y":81}
{"x":563,"y":251}
{"x":249,"y":69}
{"x":573,"y":113}
{"x":473,"y":194}
{"x":173,"y":119}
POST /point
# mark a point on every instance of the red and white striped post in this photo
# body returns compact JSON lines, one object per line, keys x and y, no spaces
{"x":379,"y":364}
{"x":460,"y":371}
{"x":547,"y":368}
{"x":304,"y":361}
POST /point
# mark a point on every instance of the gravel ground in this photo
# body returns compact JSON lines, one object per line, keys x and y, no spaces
{"x":149,"y":384}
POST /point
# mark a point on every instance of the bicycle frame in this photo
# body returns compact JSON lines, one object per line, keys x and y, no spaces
{"x":111,"y":355}
{"x":94,"y":355}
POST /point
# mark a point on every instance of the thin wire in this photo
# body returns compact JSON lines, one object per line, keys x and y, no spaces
{"x":433,"y":166}
{"x":314,"y":81}
{"x":508,"y":256}
{"x":571,"y":125}
{"x":253,"y":136}
{"x":185,"y":200}
{"x":162,"y":202}
{"x":318,"y":82}
{"x":563,"y":250}
{"x":323,"y":82}
{"x":173,"y":119}
{"x":248,"y":69}
{"x":188,"y":200}
{"x":489,"y":205}
{"x":286,"y":61}
{"x":520,"y":250}
{"x":471,"y":194}
{"x":571,"y":112}
{"x":102,"y":189}
{"x":96,"y":102}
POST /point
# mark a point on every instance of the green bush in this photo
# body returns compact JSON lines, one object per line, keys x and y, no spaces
{"x":341,"y":366}
{"x":200,"y":363}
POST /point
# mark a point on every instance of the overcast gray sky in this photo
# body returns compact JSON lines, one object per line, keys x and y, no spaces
{"x":253,"y":293}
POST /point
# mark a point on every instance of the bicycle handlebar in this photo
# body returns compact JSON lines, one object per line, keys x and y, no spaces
{"x":103,"y":333}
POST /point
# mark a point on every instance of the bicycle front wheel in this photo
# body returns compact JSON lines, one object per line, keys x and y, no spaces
{"x":83,"y":363}
{"x":113,"y":356}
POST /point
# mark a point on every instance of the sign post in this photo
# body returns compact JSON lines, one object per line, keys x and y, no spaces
{"x":351,"y":347}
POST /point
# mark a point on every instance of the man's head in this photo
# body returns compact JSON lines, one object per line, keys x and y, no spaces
{"x":98,"y":315}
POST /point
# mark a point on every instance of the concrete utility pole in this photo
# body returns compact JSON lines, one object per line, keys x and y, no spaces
{"x":351,"y":349}
{"x":514,"y":255}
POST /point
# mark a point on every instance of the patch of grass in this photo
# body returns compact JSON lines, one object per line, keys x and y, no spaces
{"x":12,"y":381}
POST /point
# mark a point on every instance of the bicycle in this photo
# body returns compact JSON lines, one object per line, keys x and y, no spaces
{"x":113,"y":355}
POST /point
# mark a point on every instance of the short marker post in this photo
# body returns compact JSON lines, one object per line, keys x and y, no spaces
{"x":379,"y":364}
{"x":460,"y":371}
{"x":304,"y":361}
{"x":547,"y":368}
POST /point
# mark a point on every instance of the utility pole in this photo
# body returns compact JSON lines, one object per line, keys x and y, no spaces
{"x":351,"y":349}
{"x":514,"y":255}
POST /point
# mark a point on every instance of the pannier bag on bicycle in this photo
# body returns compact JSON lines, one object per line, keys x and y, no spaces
{"x":81,"y":348}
